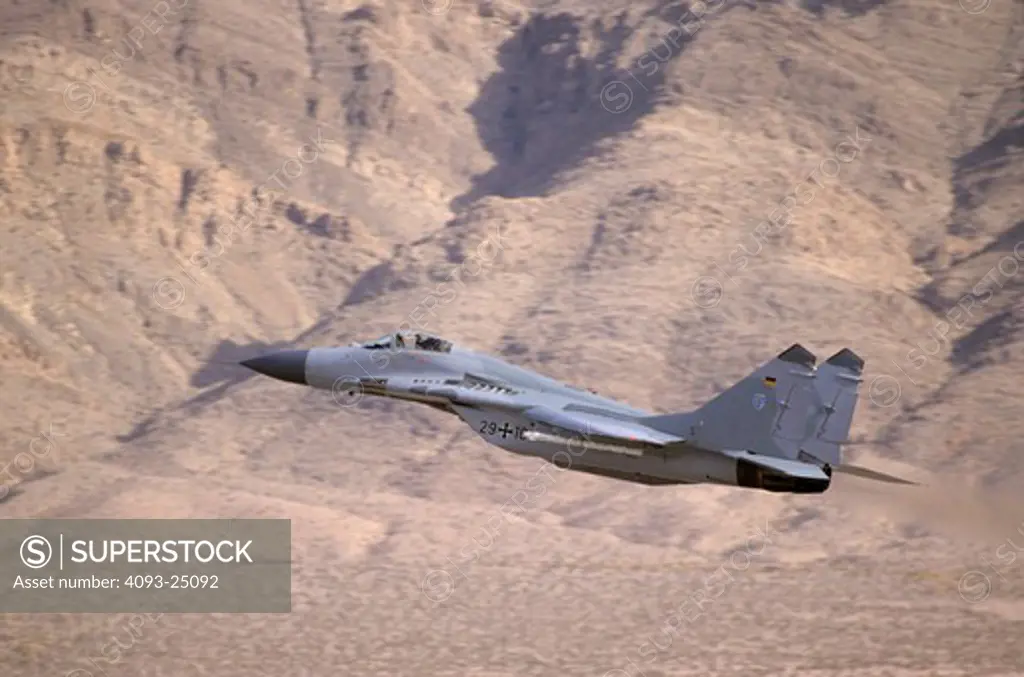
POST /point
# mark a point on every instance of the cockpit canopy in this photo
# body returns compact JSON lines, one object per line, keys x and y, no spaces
{"x":409,"y":339}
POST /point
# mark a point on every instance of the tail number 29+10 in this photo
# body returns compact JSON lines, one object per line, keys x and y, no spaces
{"x":503,"y":430}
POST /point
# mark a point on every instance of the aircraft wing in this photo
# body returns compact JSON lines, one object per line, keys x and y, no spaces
{"x":600,"y":429}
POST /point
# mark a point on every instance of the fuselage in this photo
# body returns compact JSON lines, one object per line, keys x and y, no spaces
{"x":527,"y":413}
{"x":488,"y":394}
{"x":414,"y":374}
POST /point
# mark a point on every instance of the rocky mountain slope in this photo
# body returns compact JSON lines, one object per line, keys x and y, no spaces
{"x":645,"y":198}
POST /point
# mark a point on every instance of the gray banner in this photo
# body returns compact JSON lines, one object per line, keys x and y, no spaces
{"x":145,"y":566}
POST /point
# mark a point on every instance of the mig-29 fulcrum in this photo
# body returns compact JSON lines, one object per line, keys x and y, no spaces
{"x":780,"y":429}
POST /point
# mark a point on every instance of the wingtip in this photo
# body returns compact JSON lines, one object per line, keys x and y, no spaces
{"x":797,"y":354}
{"x":847,"y":359}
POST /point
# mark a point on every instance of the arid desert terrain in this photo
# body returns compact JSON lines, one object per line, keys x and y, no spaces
{"x":647,"y":198}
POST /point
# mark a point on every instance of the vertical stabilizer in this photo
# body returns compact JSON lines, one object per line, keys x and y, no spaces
{"x":837,"y":387}
{"x":744,"y":416}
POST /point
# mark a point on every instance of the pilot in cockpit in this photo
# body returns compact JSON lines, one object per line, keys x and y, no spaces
{"x":427,"y":342}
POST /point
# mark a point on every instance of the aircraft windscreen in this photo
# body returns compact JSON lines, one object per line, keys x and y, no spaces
{"x":433,"y":343}
{"x":401,"y":340}
{"x":379,"y":344}
{"x":420,"y":341}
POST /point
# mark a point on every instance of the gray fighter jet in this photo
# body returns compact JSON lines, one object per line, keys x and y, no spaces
{"x":780,"y":429}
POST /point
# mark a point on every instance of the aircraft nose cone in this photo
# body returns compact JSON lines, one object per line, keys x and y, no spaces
{"x":287,"y":365}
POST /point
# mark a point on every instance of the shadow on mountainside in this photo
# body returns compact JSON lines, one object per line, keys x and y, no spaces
{"x":992,"y":298}
{"x":548,"y":106}
{"x":218,"y":375}
{"x":852,"y":8}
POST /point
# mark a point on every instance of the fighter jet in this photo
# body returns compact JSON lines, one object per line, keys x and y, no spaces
{"x":780,"y":429}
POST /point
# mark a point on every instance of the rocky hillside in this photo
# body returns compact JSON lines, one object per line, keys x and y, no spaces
{"x":647,"y":198}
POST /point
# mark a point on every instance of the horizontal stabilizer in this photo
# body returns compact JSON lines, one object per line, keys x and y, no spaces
{"x":784,"y":466}
{"x":869,"y":474}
